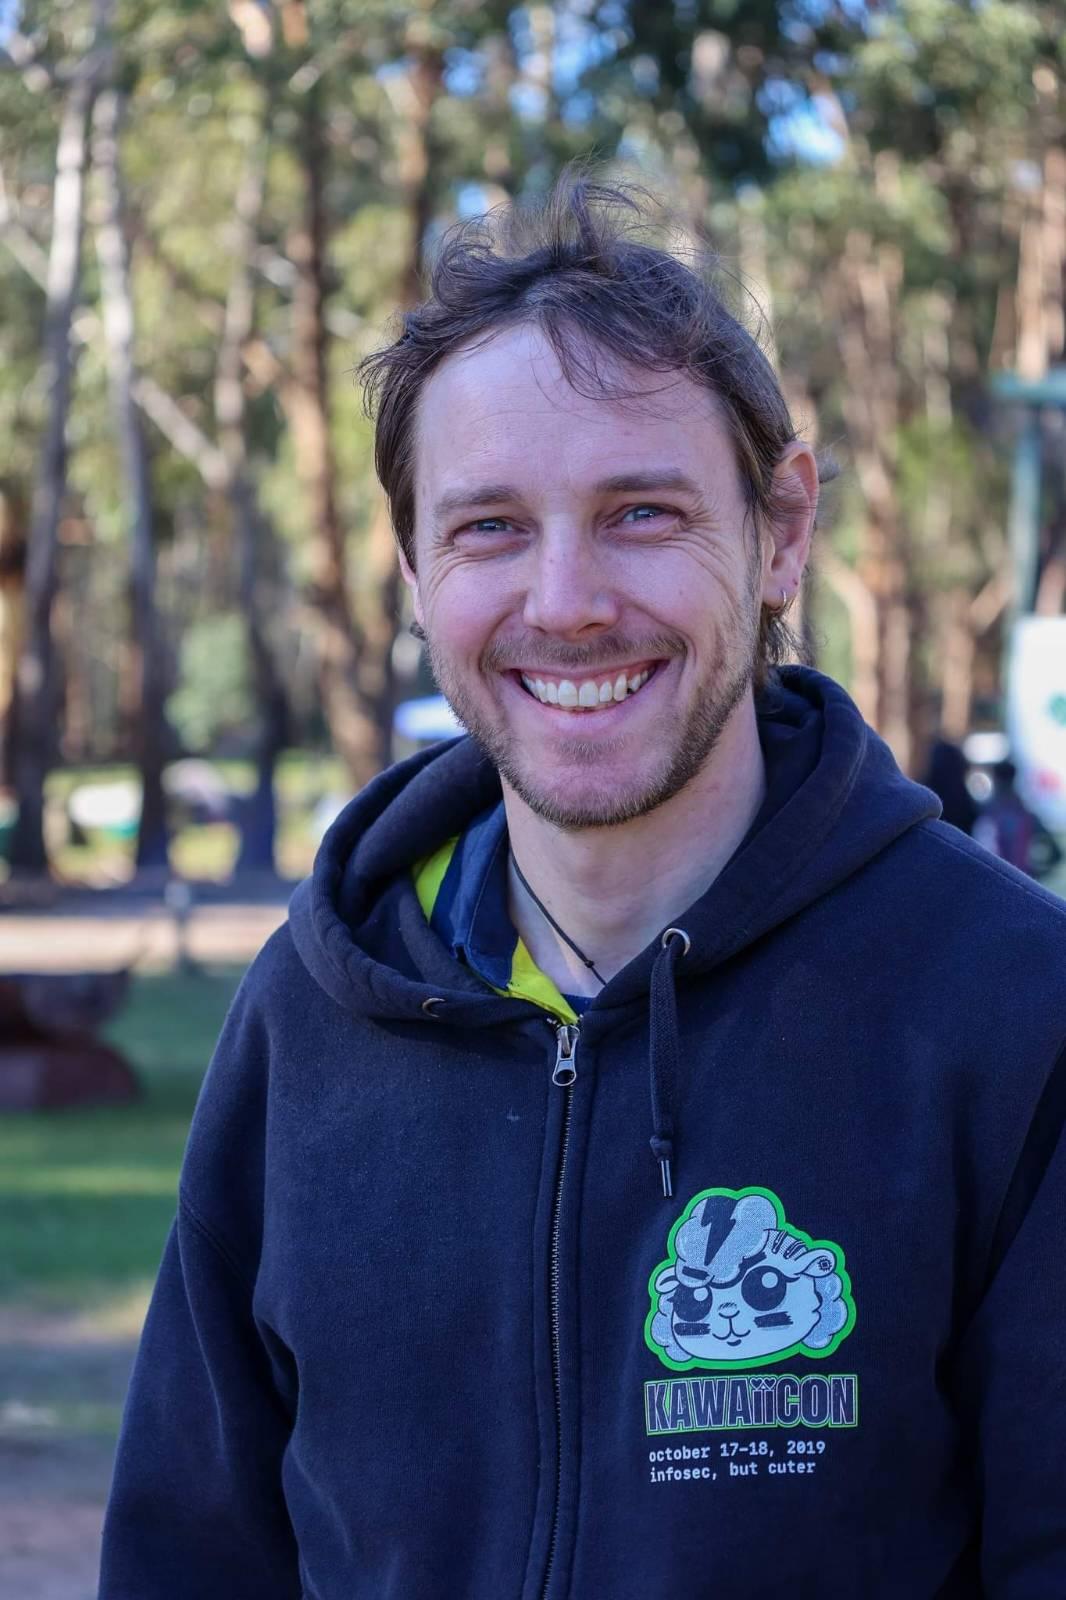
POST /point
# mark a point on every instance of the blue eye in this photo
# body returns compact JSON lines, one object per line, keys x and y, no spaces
{"x":652,"y":512}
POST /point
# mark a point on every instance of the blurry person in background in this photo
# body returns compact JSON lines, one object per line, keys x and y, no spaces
{"x":633,"y":1172}
{"x":946,"y":776}
{"x":1011,"y":831}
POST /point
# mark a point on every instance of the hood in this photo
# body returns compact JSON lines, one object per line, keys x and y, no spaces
{"x":836,"y":799}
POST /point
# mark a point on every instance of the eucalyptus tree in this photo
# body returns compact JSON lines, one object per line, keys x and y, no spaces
{"x":74,"y":77}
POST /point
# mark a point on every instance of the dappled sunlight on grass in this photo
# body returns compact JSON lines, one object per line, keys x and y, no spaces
{"x":57,"y":1180}
{"x":87,"y":1196}
{"x":116,"y":1316}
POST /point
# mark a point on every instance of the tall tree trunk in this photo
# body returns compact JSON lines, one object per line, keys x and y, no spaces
{"x":1041,"y":261}
{"x":414,"y":96}
{"x":12,"y":606}
{"x":958,"y":651}
{"x":868,"y":283}
{"x":357,"y":738}
{"x":151,"y":741}
{"x":425,"y":80}
{"x":34,"y":727}
{"x":259,"y":821}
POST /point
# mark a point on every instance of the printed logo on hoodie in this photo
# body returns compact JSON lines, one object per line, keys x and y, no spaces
{"x":741,"y":1287}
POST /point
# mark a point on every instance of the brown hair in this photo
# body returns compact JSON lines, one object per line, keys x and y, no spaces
{"x":578,"y":265}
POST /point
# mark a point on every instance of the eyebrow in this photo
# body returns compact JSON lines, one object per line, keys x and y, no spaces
{"x":487,"y":494}
{"x":492,"y":494}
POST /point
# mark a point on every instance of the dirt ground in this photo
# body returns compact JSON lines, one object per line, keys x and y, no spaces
{"x":132,"y":933}
{"x":62,"y":1383}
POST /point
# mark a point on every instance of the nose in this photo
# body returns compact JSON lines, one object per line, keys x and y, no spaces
{"x":728,"y":1308}
{"x":568,"y":589}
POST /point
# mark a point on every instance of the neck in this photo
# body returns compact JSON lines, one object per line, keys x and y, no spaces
{"x":614,"y":889}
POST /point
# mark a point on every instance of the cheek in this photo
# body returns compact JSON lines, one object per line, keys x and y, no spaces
{"x":686,"y":587}
{"x":801,"y":1302}
{"x":461,"y":611}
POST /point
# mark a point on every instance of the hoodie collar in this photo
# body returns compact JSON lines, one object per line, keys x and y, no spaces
{"x":836,"y":800}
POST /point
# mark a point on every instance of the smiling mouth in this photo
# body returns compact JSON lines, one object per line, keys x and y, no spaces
{"x":591,"y":693}
{"x":731,"y":1336}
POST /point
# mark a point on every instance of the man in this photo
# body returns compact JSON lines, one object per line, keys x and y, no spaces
{"x":634,"y":1170}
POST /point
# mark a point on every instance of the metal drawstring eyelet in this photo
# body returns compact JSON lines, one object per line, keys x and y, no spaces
{"x":677,"y":933}
{"x":428,"y":1004}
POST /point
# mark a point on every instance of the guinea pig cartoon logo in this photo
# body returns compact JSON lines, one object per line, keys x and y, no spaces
{"x":741,"y":1287}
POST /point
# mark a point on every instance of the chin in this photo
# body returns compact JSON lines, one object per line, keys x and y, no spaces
{"x":588,"y":800}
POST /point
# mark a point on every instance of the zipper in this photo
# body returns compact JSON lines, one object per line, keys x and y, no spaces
{"x":564,"y":1077}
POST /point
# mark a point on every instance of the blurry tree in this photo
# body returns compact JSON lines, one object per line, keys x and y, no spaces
{"x":34,"y":712}
{"x":12,"y":580}
{"x":907,"y":231}
{"x":251,"y":533}
{"x":152,"y":741}
{"x":890,"y":179}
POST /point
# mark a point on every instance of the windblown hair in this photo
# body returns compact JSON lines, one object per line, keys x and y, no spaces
{"x":582,"y":266}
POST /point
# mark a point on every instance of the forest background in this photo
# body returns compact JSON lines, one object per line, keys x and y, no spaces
{"x":209,"y":213}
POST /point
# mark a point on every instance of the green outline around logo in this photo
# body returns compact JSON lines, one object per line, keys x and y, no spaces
{"x":799,"y":1348}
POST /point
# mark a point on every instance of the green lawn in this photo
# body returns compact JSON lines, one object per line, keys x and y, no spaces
{"x":86,"y":1197}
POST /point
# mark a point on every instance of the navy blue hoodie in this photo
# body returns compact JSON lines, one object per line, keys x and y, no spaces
{"x":427,"y":1327}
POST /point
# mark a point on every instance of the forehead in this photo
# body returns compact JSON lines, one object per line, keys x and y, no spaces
{"x":505,"y":408}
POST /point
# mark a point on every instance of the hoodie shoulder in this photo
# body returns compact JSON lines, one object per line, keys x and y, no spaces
{"x":992,"y":939}
{"x":276,"y":977}
{"x":985,"y":875}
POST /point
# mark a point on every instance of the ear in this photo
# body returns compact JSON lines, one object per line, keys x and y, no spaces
{"x":788,"y":538}
{"x":411,"y":580}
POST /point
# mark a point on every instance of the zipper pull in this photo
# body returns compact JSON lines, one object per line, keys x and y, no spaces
{"x":565,"y":1072}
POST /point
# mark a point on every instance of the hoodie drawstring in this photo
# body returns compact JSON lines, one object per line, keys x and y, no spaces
{"x":664,"y":1049}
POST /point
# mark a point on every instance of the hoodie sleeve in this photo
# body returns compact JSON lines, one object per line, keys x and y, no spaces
{"x":1013,"y":1372}
{"x":196,"y":1505}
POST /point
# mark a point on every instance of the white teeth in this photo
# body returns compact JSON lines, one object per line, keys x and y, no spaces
{"x":591,"y":695}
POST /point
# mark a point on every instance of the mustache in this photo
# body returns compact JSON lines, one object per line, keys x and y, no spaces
{"x":608,"y":650}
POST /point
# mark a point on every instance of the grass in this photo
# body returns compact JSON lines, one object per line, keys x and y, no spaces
{"x":86,"y":1197}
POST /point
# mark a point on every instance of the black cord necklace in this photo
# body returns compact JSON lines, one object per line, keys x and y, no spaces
{"x":546,"y":914}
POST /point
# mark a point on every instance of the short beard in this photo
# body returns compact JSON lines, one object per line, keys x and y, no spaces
{"x":698,"y":739}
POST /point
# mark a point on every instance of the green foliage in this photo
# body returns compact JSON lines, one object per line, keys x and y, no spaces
{"x":932,"y":69}
{"x":213,"y":702}
{"x":933,"y":105}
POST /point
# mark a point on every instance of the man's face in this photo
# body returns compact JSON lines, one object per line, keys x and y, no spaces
{"x":590,"y":550}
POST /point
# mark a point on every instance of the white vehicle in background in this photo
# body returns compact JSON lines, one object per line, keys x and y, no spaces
{"x":1036,"y":715}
